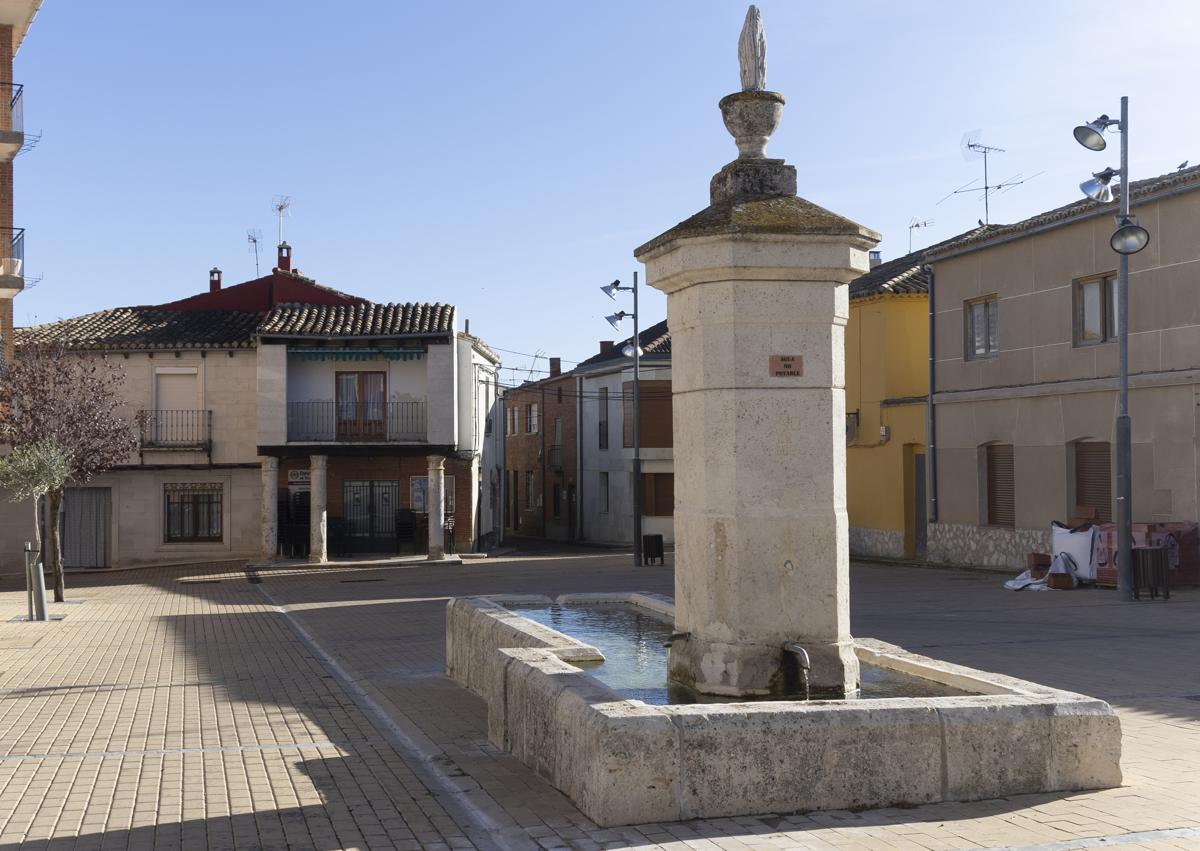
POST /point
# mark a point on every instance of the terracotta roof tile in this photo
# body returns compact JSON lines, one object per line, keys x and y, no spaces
{"x":904,"y":275}
{"x":159,"y":328}
{"x":357,"y":320}
{"x":147,"y":328}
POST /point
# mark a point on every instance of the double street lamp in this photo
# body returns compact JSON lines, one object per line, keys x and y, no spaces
{"x":633,"y":350}
{"x":1128,"y":238}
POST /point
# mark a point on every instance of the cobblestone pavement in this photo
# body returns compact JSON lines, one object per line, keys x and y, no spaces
{"x":300,"y":708}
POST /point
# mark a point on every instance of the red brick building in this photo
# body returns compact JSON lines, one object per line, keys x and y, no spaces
{"x":540,"y":428}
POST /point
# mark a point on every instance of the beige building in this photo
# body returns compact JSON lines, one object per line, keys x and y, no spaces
{"x":279,"y":417}
{"x":1026,"y":374}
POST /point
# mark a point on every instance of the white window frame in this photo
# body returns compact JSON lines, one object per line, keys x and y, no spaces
{"x":1108,"y":309}
{"x":991,"y":339}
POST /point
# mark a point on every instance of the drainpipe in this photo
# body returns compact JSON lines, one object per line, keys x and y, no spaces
{"x":542,"y":441}
{"x":577,"y":532}
{"x":501,"y":403}
{"x":931,"y":424}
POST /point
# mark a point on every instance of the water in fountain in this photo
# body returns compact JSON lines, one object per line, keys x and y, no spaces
{"x":633,"y":640}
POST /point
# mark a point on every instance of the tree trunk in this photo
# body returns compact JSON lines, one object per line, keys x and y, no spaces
{"x":54,"y":544}
{"x":37,"y":526}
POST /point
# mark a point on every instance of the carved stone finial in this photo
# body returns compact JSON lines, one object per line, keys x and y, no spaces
{"x":752,"y":52}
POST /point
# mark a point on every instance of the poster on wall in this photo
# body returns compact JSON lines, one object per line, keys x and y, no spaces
{"x":418,"y":490}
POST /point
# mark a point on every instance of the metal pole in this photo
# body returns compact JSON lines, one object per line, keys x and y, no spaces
{"x":1124,"y":448}
{"x":637,"y":434}
{"x":987,"y":215}
{"x":29,"y":580}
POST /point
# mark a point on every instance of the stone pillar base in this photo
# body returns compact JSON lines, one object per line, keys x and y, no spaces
{"x":749,"y":670}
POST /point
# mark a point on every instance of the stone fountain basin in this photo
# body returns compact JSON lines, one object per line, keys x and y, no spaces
{"x":626,"y":762}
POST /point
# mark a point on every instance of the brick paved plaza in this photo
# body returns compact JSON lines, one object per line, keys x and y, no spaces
{"x":302,"y":708}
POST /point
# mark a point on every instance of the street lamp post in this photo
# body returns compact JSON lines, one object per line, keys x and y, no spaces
{"x":1128,"y":238}
{"x":632,"y":350}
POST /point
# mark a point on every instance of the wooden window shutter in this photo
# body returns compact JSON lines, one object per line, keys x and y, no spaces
{"x":658,"y":494}
{"x":656,"y":414}
{"x":1001,"y":500}
{"x":664,"y":494}
{"x":1093,"y":479}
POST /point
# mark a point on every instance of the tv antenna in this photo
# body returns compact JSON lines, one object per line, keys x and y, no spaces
{"x":913,"y":225}
{"x":973,"y":149}
{"x":281,"y":204}
{"x":253,"y":237}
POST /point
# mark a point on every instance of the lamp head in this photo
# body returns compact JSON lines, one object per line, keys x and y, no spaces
{"x":1097,"y":187}
{"x":1091,"y":135}
{"x":611,"y":289}
{"x":1129,"y":237}
{"x":628,"y":350}
{"x":615,"y":320}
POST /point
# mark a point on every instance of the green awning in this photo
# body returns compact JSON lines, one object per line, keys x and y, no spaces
{"x":356,"y":354}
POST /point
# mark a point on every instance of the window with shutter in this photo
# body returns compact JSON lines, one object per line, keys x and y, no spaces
{"x":1093,"y":478}
{"x":1001,"y":502}
{"x":658,"y":494}
{"x":654,"y":400}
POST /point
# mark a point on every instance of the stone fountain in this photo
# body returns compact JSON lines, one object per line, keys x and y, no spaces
{"x":757,"y":304}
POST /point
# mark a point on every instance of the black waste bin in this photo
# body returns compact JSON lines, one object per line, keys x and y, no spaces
{"x":1150,"y":571}
{"x":652,"y":548}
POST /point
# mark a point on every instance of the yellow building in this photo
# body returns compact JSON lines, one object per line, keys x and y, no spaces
{"x":887,"y":388}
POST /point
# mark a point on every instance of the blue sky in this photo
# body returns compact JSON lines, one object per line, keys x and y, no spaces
{"x":508,"y":157}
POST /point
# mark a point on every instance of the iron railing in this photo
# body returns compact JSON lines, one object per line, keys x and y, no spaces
{"x":370,"y":421}
{"x":175,"y":429}
{"x":556,"y":457}
{"x":12,"y":252}
{"x":12,"y":108}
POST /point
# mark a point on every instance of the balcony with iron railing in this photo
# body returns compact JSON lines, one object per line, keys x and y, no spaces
{"x":175,"y":430}
{"x":12,"y":120}
{"x":12,"y":258}
{"x":357,"y":422}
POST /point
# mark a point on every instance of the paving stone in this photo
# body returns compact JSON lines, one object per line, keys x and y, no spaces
{"x":160,"y":714}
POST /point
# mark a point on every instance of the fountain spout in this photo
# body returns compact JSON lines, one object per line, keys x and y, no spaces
{"x":797,"y":649}
{"x":677,"y":636}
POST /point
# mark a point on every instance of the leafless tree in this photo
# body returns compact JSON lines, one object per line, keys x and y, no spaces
{"x":50,"y":394}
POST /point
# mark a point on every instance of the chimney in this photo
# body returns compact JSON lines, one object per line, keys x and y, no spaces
{"x":214,"y":279}
{"x":555,"y":367}
{"x":606,"y":347}
{"x":285,"y":257}
{"x":875,"y":258}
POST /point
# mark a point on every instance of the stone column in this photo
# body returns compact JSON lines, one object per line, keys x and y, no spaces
{"x":757,"y":303}
{"x":318,"y":522}
{"x":435,"y":504}
{"x":270,"y":507}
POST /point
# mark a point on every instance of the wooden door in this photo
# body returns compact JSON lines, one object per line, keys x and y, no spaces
{"x":361,"y":405}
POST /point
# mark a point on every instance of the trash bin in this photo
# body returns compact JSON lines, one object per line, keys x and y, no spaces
{"x":1150,"y":572}
{"x":652,"y":548}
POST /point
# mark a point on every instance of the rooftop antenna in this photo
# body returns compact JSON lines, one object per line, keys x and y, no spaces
{"x":281,"y":204}
{"x":913,"y":225}
{"x":253,"y":237}
{"x":537,"y":353}
{"x":973,"y":149}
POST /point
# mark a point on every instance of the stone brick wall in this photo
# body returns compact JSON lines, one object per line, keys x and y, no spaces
{"x":984,"y":546}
